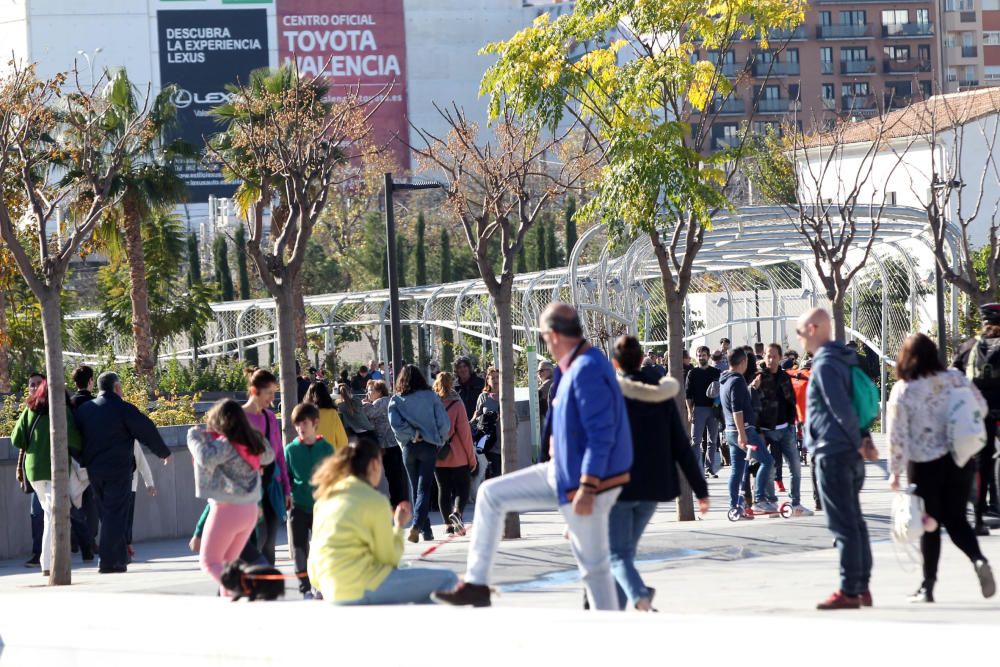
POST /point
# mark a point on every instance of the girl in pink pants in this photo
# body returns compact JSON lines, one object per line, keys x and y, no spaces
{"x":228,"y":455}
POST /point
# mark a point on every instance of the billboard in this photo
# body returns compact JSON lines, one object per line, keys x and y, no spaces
{"x":200,"y":52}
{"x":353,"y":43}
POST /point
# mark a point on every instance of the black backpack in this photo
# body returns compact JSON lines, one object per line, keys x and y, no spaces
{"x":487,"y":425}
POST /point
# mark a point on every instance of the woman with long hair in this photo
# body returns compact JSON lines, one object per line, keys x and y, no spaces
{"x":352,"y":412}
{"x":330,"y":425}
{"x":31,"y":434}
{"x":376,"y":407}
{"x":486,"y":422}
{"x":228,"y":457}
{"x":357,"y":537}
{"x":917,"y":415}
{"x":421,"y":427}
{"x":277,"y":488}
{"x":453,"y":472}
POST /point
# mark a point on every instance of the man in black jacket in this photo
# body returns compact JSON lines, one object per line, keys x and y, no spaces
{"x":109,"y":426}
{"x":776,"y":421}
{"x":469,"y":385}
{"x":701,"y":408}
{"x":85,"y":519}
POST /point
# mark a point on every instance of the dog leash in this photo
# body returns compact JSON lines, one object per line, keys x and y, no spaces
{"x":443,"y":542}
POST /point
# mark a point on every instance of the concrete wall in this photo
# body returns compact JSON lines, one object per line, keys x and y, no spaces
{"x":172,"y":513}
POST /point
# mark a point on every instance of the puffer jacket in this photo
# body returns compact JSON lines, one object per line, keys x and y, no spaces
{"x":220,"y":473}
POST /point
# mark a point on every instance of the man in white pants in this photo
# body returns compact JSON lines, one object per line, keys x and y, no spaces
{"x":590,"y":444}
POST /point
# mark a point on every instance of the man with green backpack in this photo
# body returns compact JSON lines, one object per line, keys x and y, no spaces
{"x":841,"y":405}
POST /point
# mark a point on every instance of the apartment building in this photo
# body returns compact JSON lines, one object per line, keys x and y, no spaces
{"x":970,"y":40}
{"x":849,"y":59}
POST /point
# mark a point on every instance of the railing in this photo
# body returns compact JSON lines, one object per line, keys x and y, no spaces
{"x":893,"y":101}
{"x":907,"y":30}
{"x":970,"y":51}
{"x":826,"y":67}
{"x":776,"y":69}
{"x":892,"y":66}
{"x":968,"y":83}
{"x":786,"y":35}
{"x":843,"y":31}
{"x":967,"y":17}
{"x":730,"y":69}
{"x":829,"y":104}
{"x":772,"y":105}
{"x":733,"y":105}
{"x":857,"y":66}
{"x":858,"y":103}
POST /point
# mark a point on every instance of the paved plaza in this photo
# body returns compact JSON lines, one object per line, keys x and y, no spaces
{"x":717,"y":582}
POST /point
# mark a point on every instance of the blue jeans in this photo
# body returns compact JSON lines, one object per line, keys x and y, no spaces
{"x":113,"y":498}
{"x":784,"y":441}
{"x":421,"y":459}
{"x":739,"y":458}
{"x":627,"y":521}
{"x":704,"y":417}
{"x":413,"y":584}
{"x":37,"y":525}
{"x":840,"y":478}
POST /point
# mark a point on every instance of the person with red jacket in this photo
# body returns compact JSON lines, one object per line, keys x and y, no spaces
{"x":455,"y":466}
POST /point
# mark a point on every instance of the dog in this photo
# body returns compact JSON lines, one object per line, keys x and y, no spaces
{"x":253,"y":581}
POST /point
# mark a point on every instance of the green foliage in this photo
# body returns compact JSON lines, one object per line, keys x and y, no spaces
{"x":223,"y":272}
{"x":10,"y":410}
{"x":447,"y":335}
{"x":321,"y":273}
{"x":420,"y":252}
{"x":172,"y":309}
{"x":769,"y":169}
{"x":194,"y":260}
{"x":522,"y":261}
{"x":541,"y":257}
{"x":242,"y":269}
{"x":554,"y":256}
{"x":222,"y":374}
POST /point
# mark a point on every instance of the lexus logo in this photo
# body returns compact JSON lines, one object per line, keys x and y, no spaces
{"x":182,"y":99}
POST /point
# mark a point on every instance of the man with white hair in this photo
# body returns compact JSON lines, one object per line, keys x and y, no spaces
{"x":110,"y":426}
{"x":833,"y":434}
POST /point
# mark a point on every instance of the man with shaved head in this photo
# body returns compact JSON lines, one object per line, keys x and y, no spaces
{"x":590,"y":441}
{"x":833,"y":434}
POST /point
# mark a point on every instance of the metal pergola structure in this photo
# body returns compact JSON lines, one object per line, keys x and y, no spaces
{"x":753,"y":277}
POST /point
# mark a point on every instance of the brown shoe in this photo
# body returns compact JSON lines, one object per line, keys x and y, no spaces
{"x":840,"y":600}
{"x":465,"y":595}
{"x":866,"y":599}
{"x":414,"y":535}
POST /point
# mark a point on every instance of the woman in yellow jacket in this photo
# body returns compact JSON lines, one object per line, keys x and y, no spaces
{"x":357,"y":540}
{"x":330,"y":426}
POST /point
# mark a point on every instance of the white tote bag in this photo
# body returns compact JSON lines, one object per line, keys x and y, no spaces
{"x":966,"y":424}
{"x":907,"y":517}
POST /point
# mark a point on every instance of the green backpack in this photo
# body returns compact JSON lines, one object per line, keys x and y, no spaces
{"x":865,"y":398}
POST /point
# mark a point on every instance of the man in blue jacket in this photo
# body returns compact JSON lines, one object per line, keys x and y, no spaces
{"x":833,"y":435}
{"x":591,"y":455}
{"x":109,"y":426}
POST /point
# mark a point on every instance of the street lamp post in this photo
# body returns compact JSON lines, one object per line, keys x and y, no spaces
{"x":390,"y":242}
{"x":90,"y":63}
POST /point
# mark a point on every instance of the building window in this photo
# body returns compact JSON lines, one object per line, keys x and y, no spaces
{"x":991,"y":72}
{"x":857,"y":88}
{"x":991,"y":5}
{"x":824,"y":18}
{"x":899,"y":91}
{"x":952,"y":74}
{"x":970,"y":73}
{"x":827,"y":91}
{"x":853,"y":54}
{"x":793,"y":91}
{"x":926,"y":88}
{"x":770,"y":93}
{"x":897,"y":53}
{"x":949,"y":41}
{"x":890,"y":198}
{"x":792,"y":55}
{"x":968,"y":39}
{"x":852,"y":17}
{"x":991,"y":38}
{"x":924,"y":53}
{"x":893,"y":16}
{"x":923,"y":17}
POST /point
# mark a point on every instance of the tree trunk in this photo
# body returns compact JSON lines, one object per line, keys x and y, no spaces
{"x":284,"y":302}
{"x":4,"y":346}
{"x":508,"y":414}
{"x":675,"y":349}
{"x":299,"y":315}
{"x":56,"y":373}
{"x":142,"y":337}
{"x":839,"y":319}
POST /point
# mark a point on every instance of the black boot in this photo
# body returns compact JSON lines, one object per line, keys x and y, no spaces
{"x":924,"y":594}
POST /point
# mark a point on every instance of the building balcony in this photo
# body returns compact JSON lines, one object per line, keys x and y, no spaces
{"x":730,"y":69}
{"x":908,"y":30}
{"x":965,"y":84}
{"x":829,"y":104}
{"x":825,"y":67}
{"x":733,"y":105}
{"x":725,"y":143}
{"x":843,"y":31}
{"x":908,"y":66}
{"x":773,"y":105}
{"x":857,"y":66}
{"x":779,"y":36}
{"x":776,"y":69}
{"x":893,"y":101}
{"x":967,"y":17}
{"x":970,"y":52}
{"x":858,"y":104}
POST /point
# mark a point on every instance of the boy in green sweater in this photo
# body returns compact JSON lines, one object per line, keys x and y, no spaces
{"x":302,"y":456}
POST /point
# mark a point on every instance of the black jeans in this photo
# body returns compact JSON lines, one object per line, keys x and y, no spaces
{"x":841,"y":478}
{"x":775,"y":450}
{"x":131,"y":519}
{"x":395,"y":475}
{"x":987,"y":486}
{"x":37,"y":525}
{"x":299,"y":533}
{"x":113,"y":497}
{"x":945,"y":490}
{"x":453,"y":490}
{"x":421,"y":458}
{"x":494,"y":467}
{"x":268,"y":533}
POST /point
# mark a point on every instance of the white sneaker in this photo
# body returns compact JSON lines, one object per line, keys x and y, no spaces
{"x":800,"y":510}
{"x":763,"y":508}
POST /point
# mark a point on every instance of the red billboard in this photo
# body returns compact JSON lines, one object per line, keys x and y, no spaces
{"x":354,"y":43}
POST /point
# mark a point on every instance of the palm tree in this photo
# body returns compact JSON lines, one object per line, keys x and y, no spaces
{"x":147,"y":182}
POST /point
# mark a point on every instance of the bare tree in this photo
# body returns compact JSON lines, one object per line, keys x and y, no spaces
{"x":497,"y":188}
{"x":288,"y":147}
{"x":840,"y":199}
{"x":57,"y":143}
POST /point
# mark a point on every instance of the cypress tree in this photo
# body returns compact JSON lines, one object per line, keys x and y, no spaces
{"x":420,"y":258}
{"x":551,"y":247}
{"x":540,"y":257}
{"x":223,"y":273}
{"x":570,"y":225}
{"x":242,"y":272}
{"x":194,"y":278}
{"x":522,"y":261}
{"x":447,"y":335}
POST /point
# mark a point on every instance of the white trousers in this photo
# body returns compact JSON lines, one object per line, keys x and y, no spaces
{"x":533,"y":489}
{"x":43,"y":488}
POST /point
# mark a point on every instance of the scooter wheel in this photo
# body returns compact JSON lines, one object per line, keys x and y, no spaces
{"x":786,"y":510}
{"x":734,"y":514}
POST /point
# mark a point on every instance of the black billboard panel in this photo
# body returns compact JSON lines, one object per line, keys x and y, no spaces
{"x":200,"y":52}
